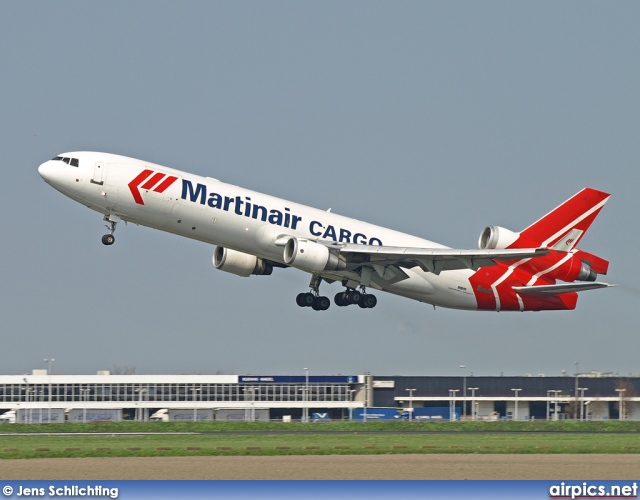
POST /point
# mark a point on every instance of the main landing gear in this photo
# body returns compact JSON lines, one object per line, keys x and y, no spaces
{"x":313,"y":299}
{"x":111,"y":221}
{"x":316,"y":302}
{"x":350,"y":296}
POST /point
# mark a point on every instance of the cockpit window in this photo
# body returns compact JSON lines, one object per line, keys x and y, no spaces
{"x":69,"y":161}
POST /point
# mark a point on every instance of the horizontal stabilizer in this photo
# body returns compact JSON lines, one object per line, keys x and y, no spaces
{"x":549,"y":290}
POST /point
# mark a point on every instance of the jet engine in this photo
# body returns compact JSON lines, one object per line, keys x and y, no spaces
{"x":565,"y":267}
{"x":498,"y":237}
{"x":311,"y":256}
{"x":240,"y":263}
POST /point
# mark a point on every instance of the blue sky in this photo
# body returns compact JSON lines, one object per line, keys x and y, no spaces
{"x":432,"y":118}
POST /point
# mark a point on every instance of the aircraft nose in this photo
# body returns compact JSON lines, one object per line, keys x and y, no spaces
{"x":46,"y":170}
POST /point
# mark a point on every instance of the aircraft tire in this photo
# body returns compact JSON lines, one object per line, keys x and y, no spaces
{"x":300,"y":299}
{"x":353,"y":297}
{"x":339,"y":300}
{"x":307,"y":299}
{"x":369,"y":301}
{"x":108,"y":239}
{"x":321,"y":304}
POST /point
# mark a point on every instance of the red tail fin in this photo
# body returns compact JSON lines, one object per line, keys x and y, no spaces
{"x":563,"y":227}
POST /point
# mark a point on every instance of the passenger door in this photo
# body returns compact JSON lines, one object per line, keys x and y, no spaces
{"x":98,"y":173}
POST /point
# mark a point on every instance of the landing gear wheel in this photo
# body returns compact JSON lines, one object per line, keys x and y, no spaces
{"x":305,"y":299}
{"x":368,"y":301}
{"x":339,"y":299}
{"x":353,"y":297}
{"x":108,"y":239}
{"x":321,"y":303}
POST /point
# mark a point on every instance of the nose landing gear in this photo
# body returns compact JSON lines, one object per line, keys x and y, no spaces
{"x":111,"y":221}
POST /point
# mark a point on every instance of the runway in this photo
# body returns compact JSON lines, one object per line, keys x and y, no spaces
{"x":425,"y":467}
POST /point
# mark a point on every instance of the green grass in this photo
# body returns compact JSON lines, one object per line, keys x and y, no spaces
{"x":238,"y":439}
{"x":335,"y":426}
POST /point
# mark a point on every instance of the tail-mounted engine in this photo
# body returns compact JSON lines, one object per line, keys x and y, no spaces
{"x":493,"y":237}
{"x":563,"y":266}
{"x":240,"y":263}
{"x":311,"y":256}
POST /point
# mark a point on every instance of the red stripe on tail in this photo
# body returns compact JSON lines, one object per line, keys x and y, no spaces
{"x":578,"y":212}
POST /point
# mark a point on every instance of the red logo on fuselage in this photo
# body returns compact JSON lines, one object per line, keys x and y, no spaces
{"x":157,"y":182}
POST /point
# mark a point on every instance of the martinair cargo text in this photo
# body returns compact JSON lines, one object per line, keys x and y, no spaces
{"x":539,"y":268}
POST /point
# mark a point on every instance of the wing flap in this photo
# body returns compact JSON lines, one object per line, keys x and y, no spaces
{"x":436,"y":260}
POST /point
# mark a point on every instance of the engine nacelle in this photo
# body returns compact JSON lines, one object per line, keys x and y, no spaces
{"x":498,"y":237}
{"x":586,"y":273}
{"x":571,"y":269}
{"x":239,"y":263}
{"x":311,"y":256}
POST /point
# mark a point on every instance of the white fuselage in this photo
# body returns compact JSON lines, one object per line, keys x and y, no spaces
{"x":229,"y":216}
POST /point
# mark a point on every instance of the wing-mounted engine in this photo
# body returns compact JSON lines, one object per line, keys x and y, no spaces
{"x":240,"y":263}
{"x":311,"y":256}
{"x":493,"y":237}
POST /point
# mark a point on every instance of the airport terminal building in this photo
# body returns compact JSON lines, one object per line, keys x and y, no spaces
{"x":44,"y":397}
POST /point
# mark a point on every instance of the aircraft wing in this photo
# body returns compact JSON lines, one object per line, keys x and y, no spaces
{"x":548,"y":290}
{"x":434,"y":260}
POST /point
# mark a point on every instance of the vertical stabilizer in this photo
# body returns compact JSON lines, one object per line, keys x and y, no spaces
{"x":564,"y":227}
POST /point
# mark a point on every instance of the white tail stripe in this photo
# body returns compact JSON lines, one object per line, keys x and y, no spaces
{"x":571,"y":225}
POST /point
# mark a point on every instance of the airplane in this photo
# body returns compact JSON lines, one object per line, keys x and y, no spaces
{"x":538,"y":268}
